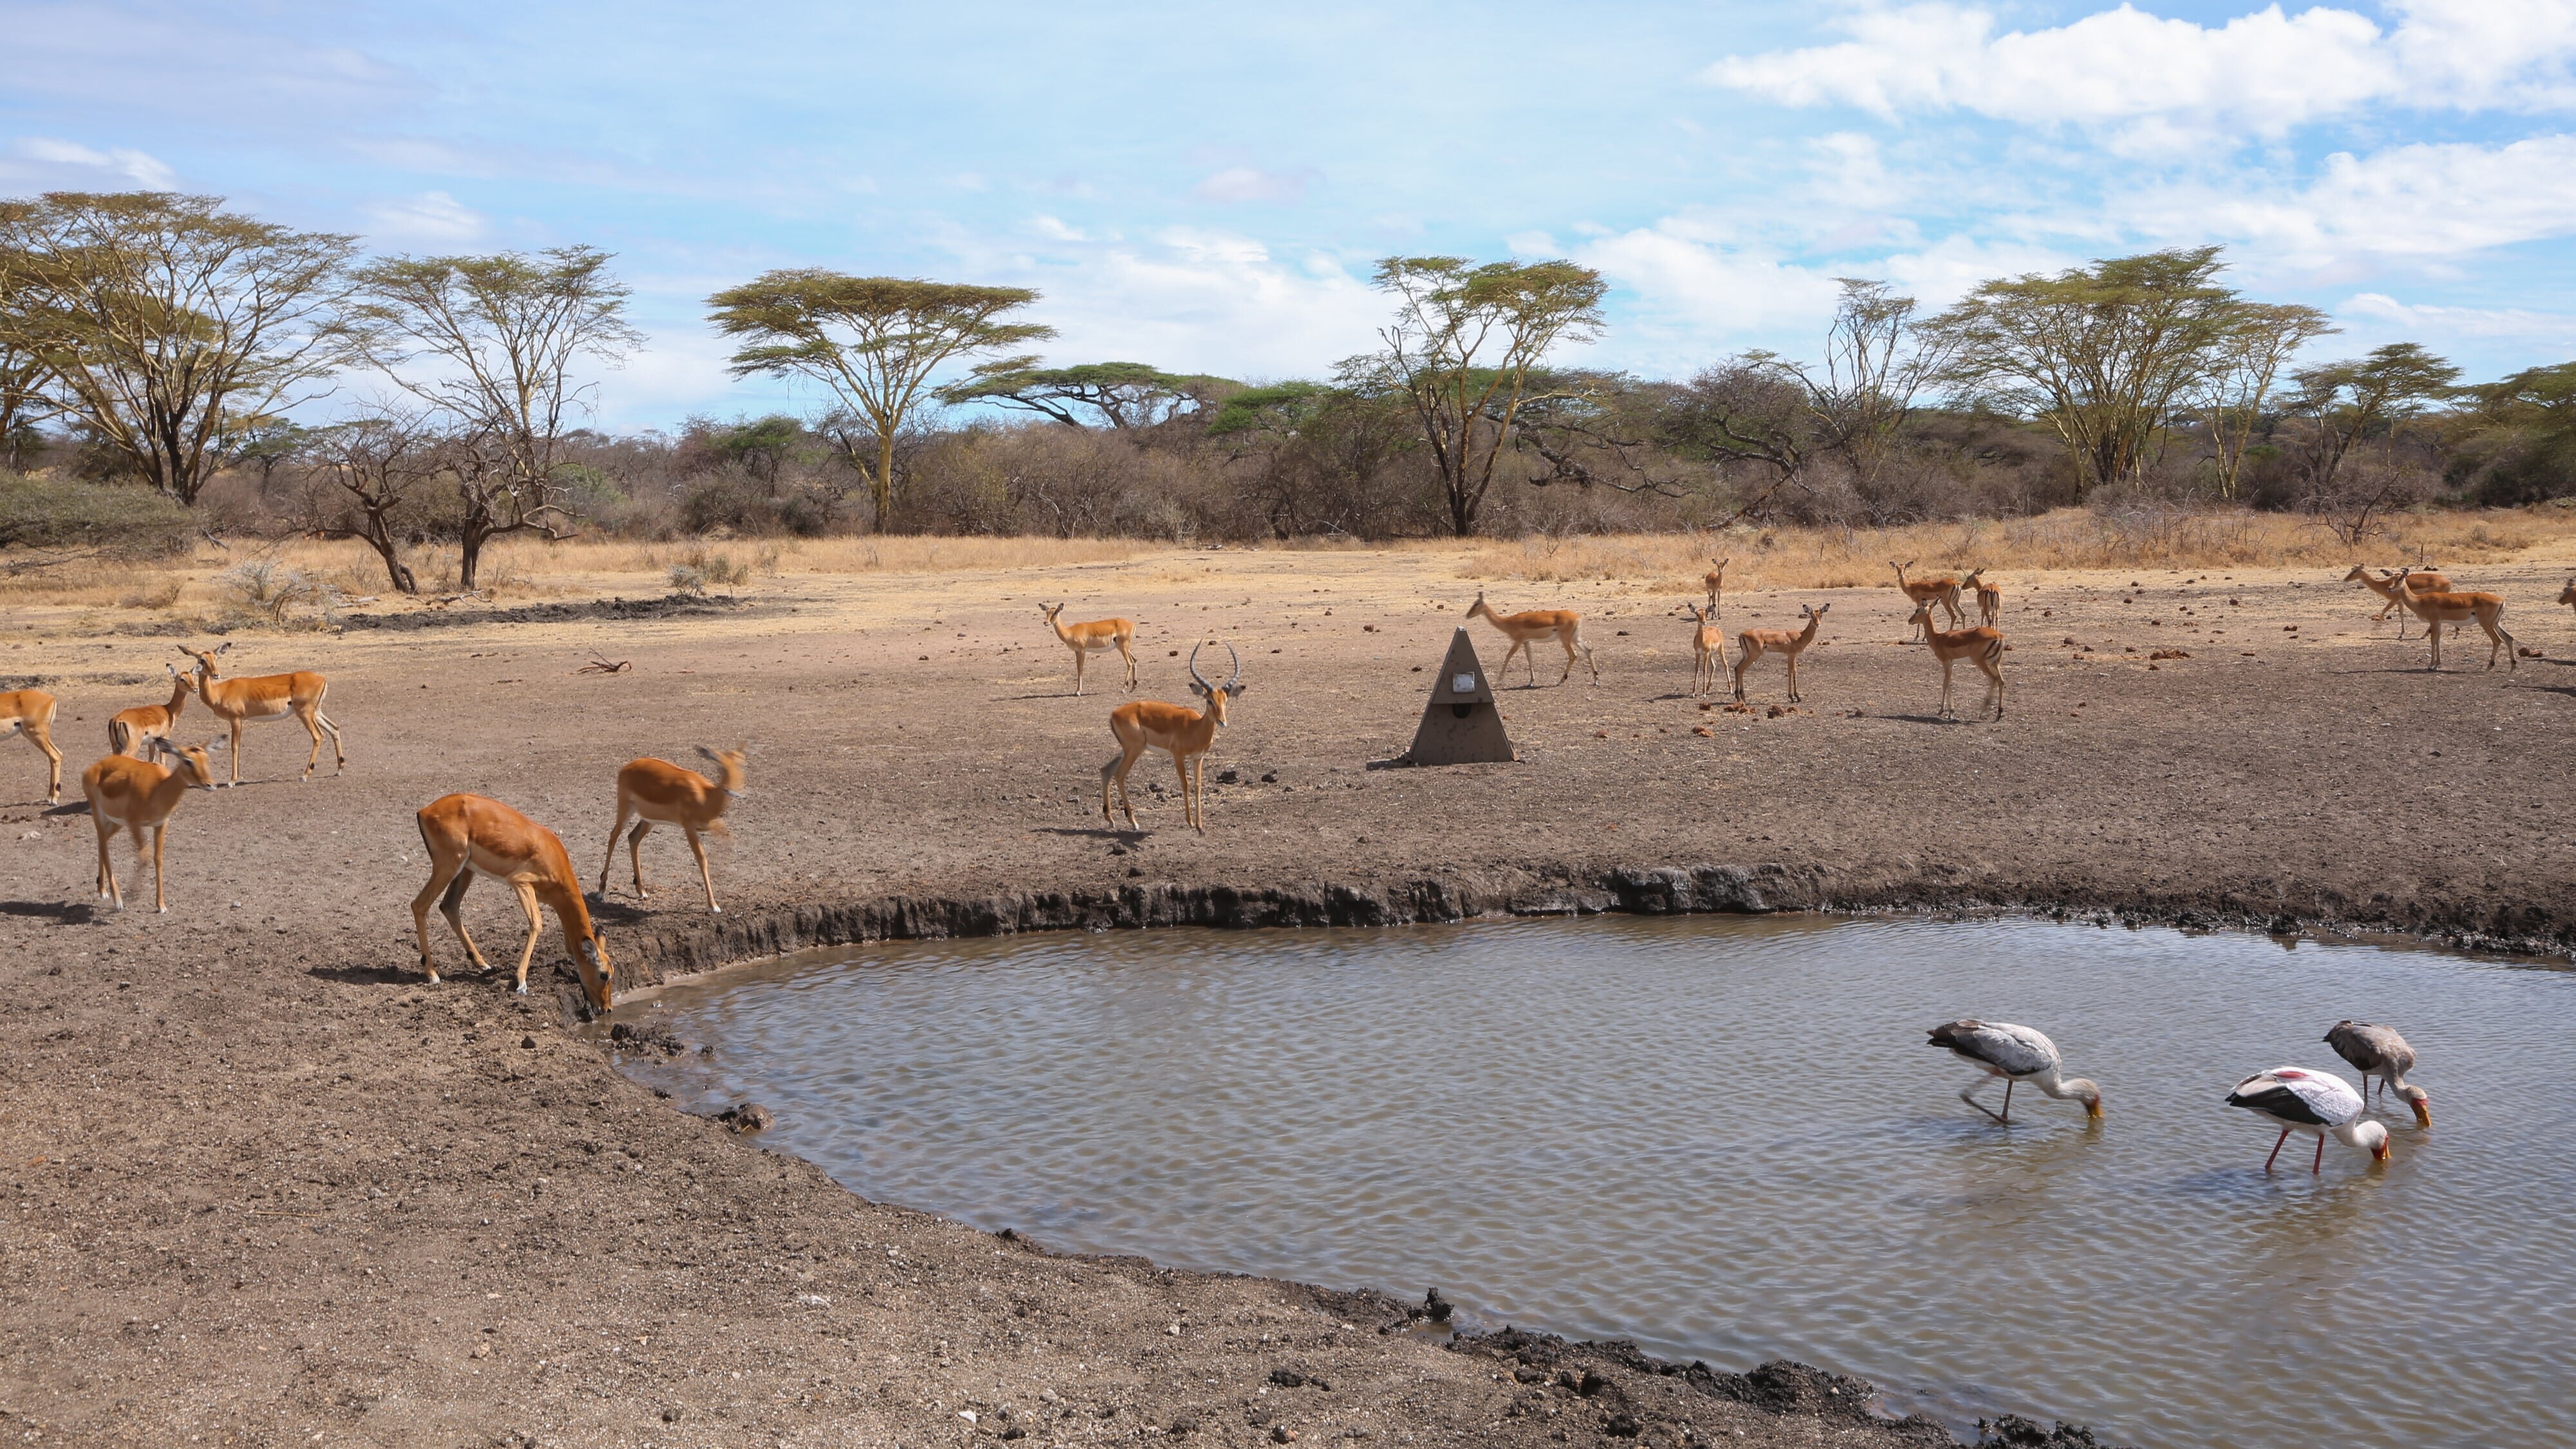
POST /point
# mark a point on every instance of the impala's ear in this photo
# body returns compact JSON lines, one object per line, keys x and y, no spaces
{"x":707,"y":754}
{"x":1239,"y":690}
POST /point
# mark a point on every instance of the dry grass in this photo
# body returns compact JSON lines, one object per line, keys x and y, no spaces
{"x":195,"y":587}
{"x":2072,"y":538}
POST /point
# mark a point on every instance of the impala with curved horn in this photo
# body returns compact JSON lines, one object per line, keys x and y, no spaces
{"x":1187,"y":733}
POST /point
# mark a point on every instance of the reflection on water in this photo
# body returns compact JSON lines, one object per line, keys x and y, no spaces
{"x":1726,"y":1139}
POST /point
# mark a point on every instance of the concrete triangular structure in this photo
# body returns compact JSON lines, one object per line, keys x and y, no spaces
{"x":1461,"y":725}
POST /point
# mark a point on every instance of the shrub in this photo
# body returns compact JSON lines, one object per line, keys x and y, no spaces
{"x":269,"y":588}
{"x":129,"y":522}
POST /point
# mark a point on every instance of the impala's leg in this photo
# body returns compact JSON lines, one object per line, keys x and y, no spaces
{"x":1568,"y":642}
{"x":107,"y":888}
{"x":339,"y":757}
{"x":442,"y":873}
{"x":1081,"y":657}
{"x":160,"y":837}
{"x":310,"y":716}
{"x":1743,"y":661}
{"x":1126,"y":653}
{"x":706,"y":877}
{"x":625,"y":809}
{"x":237,"y":729}
{"x":452,"y":906}
{"x":536,"y":925}
{"x":42,"y":732}
{"x":635,"y":856}
{"x":2433,"y":630}
{"x":1945,"y":690}
{"x":1793,"y":678}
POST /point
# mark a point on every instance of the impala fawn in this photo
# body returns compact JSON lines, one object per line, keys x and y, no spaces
{"x":657,"y":792}
{"x":130,"y":731}
{"x":1715,"y":580}
{"x":137,"y":796}
{"x":1708,"y":650}
{"x":1981,"y":646}
{"x":1990,"y":600}
{"x":1752,"y":644}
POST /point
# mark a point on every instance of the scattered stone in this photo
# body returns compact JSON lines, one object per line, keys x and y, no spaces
{"x":1282,"y":1434}
{"x":528,"y":1042}
{"x":1270,"y":777}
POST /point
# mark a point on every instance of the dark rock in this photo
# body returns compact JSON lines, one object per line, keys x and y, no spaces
{"x":1287,"y":1378}
{"x":746,"y":1117}
{"x":1622,"y":1426}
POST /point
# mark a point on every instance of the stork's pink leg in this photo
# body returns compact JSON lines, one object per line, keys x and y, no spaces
{"x":2006,"y":1119}
{"x":2276,"y":1148}
{"x":2318,"y":1167}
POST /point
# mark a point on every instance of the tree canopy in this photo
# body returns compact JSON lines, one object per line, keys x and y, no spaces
{"x":166,"y":326}
{"x":1121,"y":394}
{"x":874,"y":342}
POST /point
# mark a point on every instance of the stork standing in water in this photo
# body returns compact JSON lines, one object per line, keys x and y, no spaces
{"x":2320,"y":1104}
{"x":2016,"y":1054}
{"x":2378,"y":1051}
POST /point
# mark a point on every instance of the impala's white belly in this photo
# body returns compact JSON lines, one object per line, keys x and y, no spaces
{"x":502,"y":868}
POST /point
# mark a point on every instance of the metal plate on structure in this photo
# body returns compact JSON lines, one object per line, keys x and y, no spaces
{"x":1460,"y":724}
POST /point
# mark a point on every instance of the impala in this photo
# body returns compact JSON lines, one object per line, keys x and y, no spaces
{"x":1990,"y":600}
{"x":1940,"y":588}
{"x":467,"y":836}
{"x":1086,"y":640}
{"x":657,"y":792}
{"x":138,"y":796}
{"x":265,"y":697}
{"x":1981,"y":646}
{"x":131,"y":731}
{"x":1752,"y":644}
{"x":2386,"y":587}
{"x":1563,"y":625}
{"x":30,"y":712}
{"x":1715,"y":579}
{"x":1187,"y":733}
{"x":1708,"y":650}
{"x":2445,"y":607}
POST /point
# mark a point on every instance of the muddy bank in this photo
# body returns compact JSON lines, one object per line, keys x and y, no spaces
{"x":262,"y":1182}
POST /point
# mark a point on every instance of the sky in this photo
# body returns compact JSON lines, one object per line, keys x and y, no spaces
{"x":1207,"y":188}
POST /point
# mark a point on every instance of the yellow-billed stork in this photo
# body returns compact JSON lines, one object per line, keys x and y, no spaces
{"x":2378,"y":1051}
{"x":2320,"y":1104}
{"x":2016,"y":1054}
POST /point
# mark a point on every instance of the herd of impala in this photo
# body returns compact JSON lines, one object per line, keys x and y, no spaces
{"x":133,"y":790}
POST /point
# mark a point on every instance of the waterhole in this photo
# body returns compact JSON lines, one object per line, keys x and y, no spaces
{"x":1727,"y":1140}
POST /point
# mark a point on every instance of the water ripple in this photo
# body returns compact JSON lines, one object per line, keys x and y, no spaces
{"x":1725,"y":1140}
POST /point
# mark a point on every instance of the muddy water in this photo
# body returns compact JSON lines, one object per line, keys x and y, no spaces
{"x":1726,"y":1140}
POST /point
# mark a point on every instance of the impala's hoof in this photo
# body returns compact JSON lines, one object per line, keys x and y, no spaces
{"x":163,"y":910}
{"x":715,"y":910}
{"x":522,"y":989}
{"x":433,"y":978}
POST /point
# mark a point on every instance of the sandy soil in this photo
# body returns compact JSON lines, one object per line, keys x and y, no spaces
{"x":265,"y":1186}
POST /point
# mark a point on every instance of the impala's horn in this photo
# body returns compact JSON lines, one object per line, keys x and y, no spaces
{"x":1203,"y":686}
{"x":1234,"y":685}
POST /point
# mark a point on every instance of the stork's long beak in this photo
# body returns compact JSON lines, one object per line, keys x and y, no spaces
{"x":2379,"y":1150}
{"x":2423,"y":1114}
{"x":2093,"y":1110}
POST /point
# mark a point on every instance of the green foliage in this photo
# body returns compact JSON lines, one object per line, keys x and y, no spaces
{"x":2518,"y":443}
{"x":1121,"y":394}
{"x":123,"y":520}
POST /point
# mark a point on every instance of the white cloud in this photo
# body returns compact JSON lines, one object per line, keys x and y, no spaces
{"x":431,"y":216}
{"x":135,"y":166}
{"x":2156,"y":83}
{"x":1251,"y":183}
{"x":2416,"y":203}
{"x":2422,"y":319}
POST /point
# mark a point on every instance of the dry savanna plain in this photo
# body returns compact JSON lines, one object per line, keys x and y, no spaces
{"x":265,"y":1185}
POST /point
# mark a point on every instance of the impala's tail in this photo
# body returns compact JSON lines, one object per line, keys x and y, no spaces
{"x":120,"y":737}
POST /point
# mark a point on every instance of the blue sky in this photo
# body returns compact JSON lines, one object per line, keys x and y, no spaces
{"x":1205,"y":188}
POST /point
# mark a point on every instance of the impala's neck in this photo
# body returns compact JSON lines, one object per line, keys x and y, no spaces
{"x":571,"y":911}
{"x":178,"y":696}
{"x":1807,"y":635}
{"x":1055,"y":621}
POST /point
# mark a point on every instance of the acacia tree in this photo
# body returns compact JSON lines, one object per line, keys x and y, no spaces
{"x":2253,"y":343}
{"x":1122,"y":394}
{"x":1461,"y":350}
{"x":2374,"y":397}
{"x":2099,"y":353}
{"x":167,"y":327}
{"x":874,"y":342}
{"x":501,"y":336}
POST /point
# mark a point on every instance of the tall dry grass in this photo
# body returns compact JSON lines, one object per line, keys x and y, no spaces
{"x":2069,"y":538}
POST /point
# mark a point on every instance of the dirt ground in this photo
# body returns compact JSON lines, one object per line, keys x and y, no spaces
{"x":266,"y":1186}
